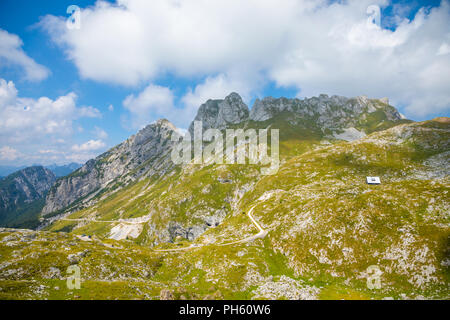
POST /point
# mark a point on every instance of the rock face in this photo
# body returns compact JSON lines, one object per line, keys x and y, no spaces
{"x":333,"y":112}
{"x":22,"y":188}
{"x":220,"y":113}
{"x":142,"y":154}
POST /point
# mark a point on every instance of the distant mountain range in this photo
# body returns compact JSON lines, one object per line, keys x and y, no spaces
{"x":59,"y":171}
{"x":64,"y":170}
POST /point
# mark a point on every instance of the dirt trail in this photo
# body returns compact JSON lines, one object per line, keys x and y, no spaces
{"x":106,"y":221}
{"x":261,"y":234}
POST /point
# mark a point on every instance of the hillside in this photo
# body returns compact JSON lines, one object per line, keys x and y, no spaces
{"x":190,"y":227}
{"x":200,"y":196}
{"x":142,"y":154}
{"x":325,"y":226}
{"x":142,"y":161}
{"x":22,"y":196}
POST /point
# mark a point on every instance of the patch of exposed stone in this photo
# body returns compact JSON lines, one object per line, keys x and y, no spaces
{"x":286,"y":288}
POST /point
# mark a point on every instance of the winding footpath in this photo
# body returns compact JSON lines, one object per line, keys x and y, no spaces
{"x":106,"y":221}
{"x":260,"y":235}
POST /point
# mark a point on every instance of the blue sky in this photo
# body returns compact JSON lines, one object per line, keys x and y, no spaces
{"x":153,"y":59}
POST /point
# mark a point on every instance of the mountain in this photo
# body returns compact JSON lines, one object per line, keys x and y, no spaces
{"x":219,"y":114}
{"x":331,"y":226}
{"x":313,"y":230}
{"x":344,"y":118}
{"x":144,"y":154}
{"x":22,"y":196}
{"x":325,"y":228}
{"x":59,"y":171}
{"x":63,"y":170}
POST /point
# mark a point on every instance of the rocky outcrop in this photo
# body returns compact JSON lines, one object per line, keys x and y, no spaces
{"x":145,"y":153}
{"x":331,"y":114}
{"x":335,"y":112}
{"x":220,"y":113}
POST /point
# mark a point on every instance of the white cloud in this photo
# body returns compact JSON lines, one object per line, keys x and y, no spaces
{"x":90,"y":145}
{"x":155,"y":101}
{"x":8,"y":153}
{"x":351,"y":58}
{"x":216,"y":87}
{"x":27,"y":120}
{"x":443,"y":49}
{"x":50,"y":151}
{"x":100,"y":133}
{"x":138,"y":40}
{"x":152,"y":102}
{"x":111,"y":107}
{"x":39,"y":129}
{"x":315,"y":46}
{"x":79,"y":157}
{"x":11,"y":53}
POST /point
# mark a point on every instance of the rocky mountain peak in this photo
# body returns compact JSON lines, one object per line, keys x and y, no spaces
{"x":164,"y":123}
{"x":161,"y":127}
{"x":144,"y":153}
{"x":219,"y":113}
{"x":40,"y":178}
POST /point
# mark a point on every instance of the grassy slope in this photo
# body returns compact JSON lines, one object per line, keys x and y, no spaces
{"x":185,"y":196}
{"x":188,"y":196}
{"x":332,"y":226}
{"x":326,"y":226}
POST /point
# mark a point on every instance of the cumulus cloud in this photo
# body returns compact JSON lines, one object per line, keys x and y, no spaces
{"x":85,"y":151}
{"x":90,"y":145}
{"x":216,"y":87}
{"x":11,"y":53}
{"x":155,"y":102}
{"x":8,"y":153}
{"x":152,"y":102}
{"x":314,"y":46}
{"x":135,"y":40}
{"x":32,"y":120}
{"x":34,"y":125}
{"x":100,"y":133}
{"x":352,"y":58}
